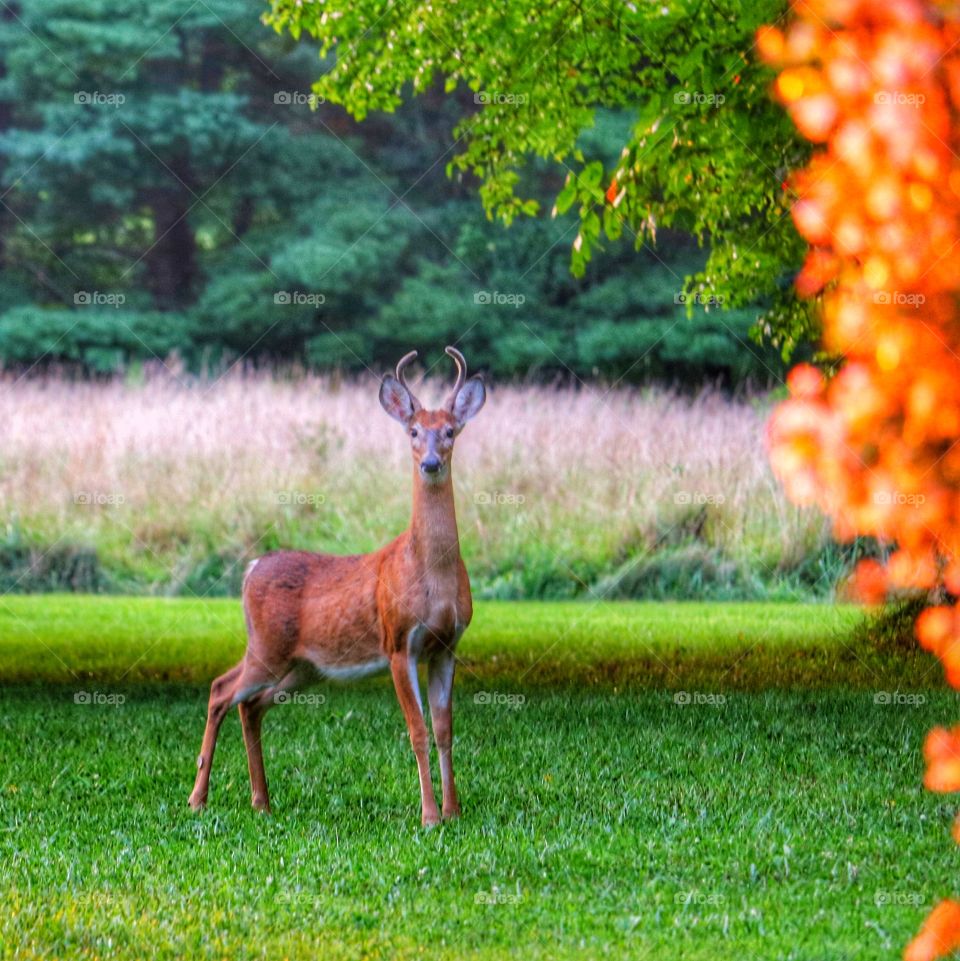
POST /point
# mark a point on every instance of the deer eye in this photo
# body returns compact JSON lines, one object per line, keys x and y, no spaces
{"x":449,"y":432}
{"x":413,"y":431}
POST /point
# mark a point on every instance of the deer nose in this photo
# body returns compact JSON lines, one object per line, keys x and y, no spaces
{"x":430,"y":465}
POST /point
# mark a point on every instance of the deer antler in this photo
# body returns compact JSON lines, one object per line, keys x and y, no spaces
{"x":461,"y":376}
{"x":403,"y":363}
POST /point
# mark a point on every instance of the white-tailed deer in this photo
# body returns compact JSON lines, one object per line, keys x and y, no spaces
{"x":311,"y":616}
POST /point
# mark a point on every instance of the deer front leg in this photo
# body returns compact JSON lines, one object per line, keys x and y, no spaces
{"x":440,"y":694}
{"x":403,"y":666}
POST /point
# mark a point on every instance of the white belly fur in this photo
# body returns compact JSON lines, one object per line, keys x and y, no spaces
{"x":350,"y":672}
{"x":353,"y":672}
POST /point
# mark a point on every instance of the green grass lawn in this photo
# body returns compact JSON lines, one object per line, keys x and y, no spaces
{"x":66,"y":638}
{"x":656,"y":780}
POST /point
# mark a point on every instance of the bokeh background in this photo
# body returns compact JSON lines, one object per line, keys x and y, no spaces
{"x":203,"y":269}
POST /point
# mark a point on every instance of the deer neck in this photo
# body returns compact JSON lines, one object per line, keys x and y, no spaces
{"x":433,"y":526}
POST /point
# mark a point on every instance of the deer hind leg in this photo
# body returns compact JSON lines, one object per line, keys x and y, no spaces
{"x":403,"y":666}
{"x":256,"y":691}
{"x":221,"y":697}
{"x":251,"y":719}
{"x":440,"y":694}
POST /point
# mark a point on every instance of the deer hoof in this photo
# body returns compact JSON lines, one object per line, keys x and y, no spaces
{"x":431,"y":820}
{"x":450,"y":813}
{"x":197,"y":804}
{"x":262,"y":805}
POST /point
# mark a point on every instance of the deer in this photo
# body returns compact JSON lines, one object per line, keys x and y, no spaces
{"x":312,"y":616}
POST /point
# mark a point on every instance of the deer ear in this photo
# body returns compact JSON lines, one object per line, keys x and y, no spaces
{"x":396,"y":400}
{"x":469,"y":400}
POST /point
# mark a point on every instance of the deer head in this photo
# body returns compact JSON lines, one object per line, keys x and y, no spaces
{"x":432,"y":432}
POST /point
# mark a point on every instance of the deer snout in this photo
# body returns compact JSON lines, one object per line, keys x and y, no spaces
{"x":431,"y":464}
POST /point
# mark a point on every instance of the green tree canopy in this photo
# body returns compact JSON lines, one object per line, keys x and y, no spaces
{"x":166,"y":187}
{"x":134,"y":141}
{"x":707,"y":152}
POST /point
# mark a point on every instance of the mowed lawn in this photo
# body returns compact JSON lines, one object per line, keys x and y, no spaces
{"x":638,"y":780}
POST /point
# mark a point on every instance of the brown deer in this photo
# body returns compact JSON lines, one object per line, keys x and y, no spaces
{"x":312,"y":616}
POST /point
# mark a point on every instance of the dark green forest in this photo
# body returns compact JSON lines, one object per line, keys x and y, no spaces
{"x":172,"y":191}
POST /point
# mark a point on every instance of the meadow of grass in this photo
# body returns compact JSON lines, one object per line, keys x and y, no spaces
{"x":639,"y":780}
{"x":169,"y":486}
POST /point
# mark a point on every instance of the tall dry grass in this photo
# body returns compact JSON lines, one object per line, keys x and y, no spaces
{"x":174,"y":484}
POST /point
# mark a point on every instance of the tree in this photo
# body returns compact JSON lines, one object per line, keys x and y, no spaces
{"x":166,"y":186}
{"x":135,"y":142}
{"x":707,"y":152}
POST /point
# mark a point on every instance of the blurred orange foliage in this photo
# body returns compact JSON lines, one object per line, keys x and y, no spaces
{"x":878,"y":85}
